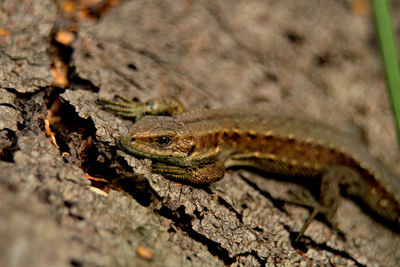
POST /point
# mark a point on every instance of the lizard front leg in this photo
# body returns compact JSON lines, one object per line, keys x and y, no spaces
{"x":203,"y":174}
{"x":127,"y":108}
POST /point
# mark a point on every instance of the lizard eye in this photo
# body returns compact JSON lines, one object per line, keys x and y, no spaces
{"x":164,"y":141}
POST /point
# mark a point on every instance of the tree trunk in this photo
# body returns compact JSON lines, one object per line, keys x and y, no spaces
{"x":70,"y":197}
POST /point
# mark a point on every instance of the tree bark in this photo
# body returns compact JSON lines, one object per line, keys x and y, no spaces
{"x":70,"y":197}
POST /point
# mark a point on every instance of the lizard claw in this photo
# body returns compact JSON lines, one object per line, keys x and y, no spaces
{"x":306,"y":199}
{"x":125,"y":107}
{"x":136,"y":110}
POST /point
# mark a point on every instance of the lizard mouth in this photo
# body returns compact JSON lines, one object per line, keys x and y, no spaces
{"x":145,"y":151}
{"x":134,"y":149}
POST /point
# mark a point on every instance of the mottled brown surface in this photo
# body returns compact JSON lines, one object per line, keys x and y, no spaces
{"x":316,"y":59}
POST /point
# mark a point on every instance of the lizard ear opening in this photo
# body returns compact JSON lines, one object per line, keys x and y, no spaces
{"x":191,"y":150}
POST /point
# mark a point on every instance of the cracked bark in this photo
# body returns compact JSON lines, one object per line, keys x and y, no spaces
{"x":298,"y":57}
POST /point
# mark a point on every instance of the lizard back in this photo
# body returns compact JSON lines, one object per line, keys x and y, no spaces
{"x":298,"y":144}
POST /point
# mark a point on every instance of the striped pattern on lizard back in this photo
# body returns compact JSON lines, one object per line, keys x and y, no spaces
{"x":273,"y":143}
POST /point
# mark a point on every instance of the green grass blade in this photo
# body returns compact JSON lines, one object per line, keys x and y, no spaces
{"x":389,"y":56}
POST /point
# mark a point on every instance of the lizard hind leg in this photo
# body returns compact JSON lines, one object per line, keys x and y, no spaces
{"x":306,"y":199}
{"x":331,"y":179}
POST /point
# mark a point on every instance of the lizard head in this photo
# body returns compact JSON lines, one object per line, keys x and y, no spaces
{"x":159,"y":138}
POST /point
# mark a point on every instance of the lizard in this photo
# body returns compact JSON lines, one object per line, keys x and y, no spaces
{"x":196,"y":147}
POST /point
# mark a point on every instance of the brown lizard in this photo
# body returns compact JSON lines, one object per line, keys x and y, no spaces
{"x":196,"y":147}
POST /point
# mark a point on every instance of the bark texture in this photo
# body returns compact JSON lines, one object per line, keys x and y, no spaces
{"x":68,"y":205}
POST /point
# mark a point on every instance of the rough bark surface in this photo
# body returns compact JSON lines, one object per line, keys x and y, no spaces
{"x":315,"y":59}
